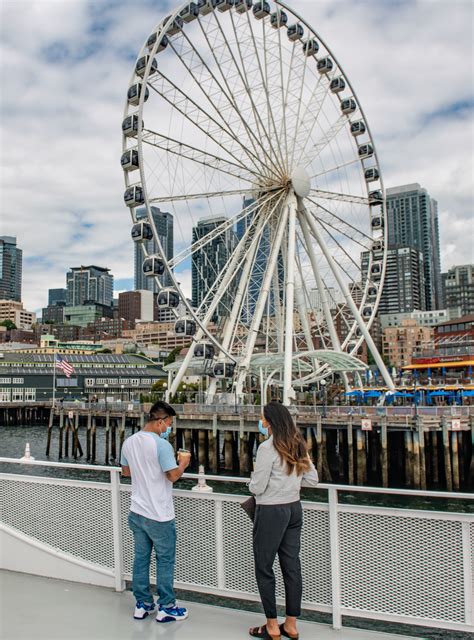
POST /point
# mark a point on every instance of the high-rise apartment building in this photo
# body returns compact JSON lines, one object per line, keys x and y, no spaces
{"x":209,"y":261}
{"x":458,"y":290}
{"x":89,"y":284}
{"x":413,"y":222}
{"x":57,"y":296}
{"x":404,"y":286}
{"x":11,"y":259}
{"x":164,"y":225}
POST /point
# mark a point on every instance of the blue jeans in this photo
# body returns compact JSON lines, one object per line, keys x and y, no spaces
{"x":146,"y":535}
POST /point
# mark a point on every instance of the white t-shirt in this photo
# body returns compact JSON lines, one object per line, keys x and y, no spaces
{"x":149,"y":457}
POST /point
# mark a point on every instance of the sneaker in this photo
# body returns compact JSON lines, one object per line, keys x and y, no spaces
{"x":142,"y":609}
{"x":171,"y":613}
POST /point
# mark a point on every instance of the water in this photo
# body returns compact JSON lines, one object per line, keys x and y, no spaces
{"x":14,"y":438}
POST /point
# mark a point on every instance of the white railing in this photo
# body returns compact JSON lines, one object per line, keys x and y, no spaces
{"x":394,"y":564}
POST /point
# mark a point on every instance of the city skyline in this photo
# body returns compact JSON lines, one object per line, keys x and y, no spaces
{"x":74,"y":70}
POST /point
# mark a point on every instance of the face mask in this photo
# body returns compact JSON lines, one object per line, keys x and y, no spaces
{"x":166,"y":434}
{"x":263,"y":430}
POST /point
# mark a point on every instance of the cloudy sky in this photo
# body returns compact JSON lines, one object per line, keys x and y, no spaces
{"x":65,"y":69}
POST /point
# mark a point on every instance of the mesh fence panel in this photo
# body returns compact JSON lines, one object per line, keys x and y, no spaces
{"x":412,"y":566}
{"x":74,"y":519}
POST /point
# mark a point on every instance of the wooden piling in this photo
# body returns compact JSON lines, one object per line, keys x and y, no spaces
{"x":455,"y":459}
{"x":122,"y":434}
{"x":213,"y":444}
{"x":50,"y":431}
{"x":361,"y":469}
{"x":61,"y":434}
{"x":384,"y":451}
{"x":350,"y":451}
{"x":107,"y":438}
{"x":408,"y":458}
{"x":66,"y":437}
{"x":416,"y":460}
{"x":228,"y":450}
{"x":202,"y":447}
{"x":448,"y":474}
{"x":422,"y":454}
{"x":93,"y":439}
{"x":326,"y":468}
{"x":88,"y":436}
{"x":309,"y":441}
{"x":434,"y":457}
{"x":188,"y":441}
{"x":319,"y":446}
{"x":113,"y":436}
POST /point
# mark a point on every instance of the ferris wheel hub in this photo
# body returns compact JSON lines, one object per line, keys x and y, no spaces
{"x":301,"y":182}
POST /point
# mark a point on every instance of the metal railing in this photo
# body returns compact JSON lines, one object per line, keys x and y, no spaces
{"x":395,"y":564}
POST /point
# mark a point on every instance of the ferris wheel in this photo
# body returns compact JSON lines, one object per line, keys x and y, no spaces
{"x":240,"y":122}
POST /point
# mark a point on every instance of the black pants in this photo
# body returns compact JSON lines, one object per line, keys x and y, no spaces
{"x":277,"y":529}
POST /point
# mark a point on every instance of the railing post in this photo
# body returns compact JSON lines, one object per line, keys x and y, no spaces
{"x":117,"y":529}
{"x":335,"y":558}
{"x":219,"y":544}
{"x":468,"y":577}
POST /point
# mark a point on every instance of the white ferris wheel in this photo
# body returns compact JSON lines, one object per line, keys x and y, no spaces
{"x":240,"y":122}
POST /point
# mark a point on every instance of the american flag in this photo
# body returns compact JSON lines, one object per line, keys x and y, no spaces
{"x":64,"y":365}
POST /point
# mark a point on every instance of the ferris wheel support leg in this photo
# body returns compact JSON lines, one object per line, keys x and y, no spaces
{"x":288,"y":392}
{"x":319,"y":283}
{"x":350,"y":303}
{"x":262,"y":299}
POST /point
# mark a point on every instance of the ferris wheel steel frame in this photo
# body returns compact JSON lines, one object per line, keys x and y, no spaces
{"x":285,"y":193}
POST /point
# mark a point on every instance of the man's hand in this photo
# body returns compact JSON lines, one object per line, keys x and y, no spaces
{"x":184,"y":460}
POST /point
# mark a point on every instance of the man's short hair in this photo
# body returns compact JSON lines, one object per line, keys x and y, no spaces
{"x":161,"y":410}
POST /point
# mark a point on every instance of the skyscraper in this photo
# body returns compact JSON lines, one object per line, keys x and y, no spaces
{"x":56,"y":296}
{"x":89,"y":284}
{"x":404,"y":287}
{"x":164,"y":225}
{"x":209,"y":261}
{"x":458,"y":286}
{"x":413,"y":222}
{"x":11,"y":259}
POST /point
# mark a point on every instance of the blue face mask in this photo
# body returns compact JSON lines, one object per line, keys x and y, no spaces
{"x":263,"y":430}
{"x":166,"y":434}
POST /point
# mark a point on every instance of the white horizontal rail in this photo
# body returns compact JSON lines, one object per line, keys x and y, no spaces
{"x":242,"y":480}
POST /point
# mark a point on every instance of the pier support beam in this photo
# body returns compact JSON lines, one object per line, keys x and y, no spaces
{"x":447,"y":455}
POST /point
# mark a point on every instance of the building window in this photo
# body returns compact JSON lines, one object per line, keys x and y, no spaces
{"x":18,"y":380}
{"x":5,"y":395}
{"x":135,"y":382}
{"x":17,"y":395}
{"x":30,"y":395}
{"x":89,"y":382}
{"x":5,"y":380}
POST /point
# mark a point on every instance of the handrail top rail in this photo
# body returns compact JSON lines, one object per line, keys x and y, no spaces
{"x":237,"y":479}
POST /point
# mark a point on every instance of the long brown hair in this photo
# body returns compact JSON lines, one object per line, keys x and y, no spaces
{"x":287,"y":439}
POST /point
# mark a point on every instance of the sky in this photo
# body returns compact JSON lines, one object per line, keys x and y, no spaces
{"x":65,"y":69}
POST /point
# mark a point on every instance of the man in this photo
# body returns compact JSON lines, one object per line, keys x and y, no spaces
{"x":149,"y":459}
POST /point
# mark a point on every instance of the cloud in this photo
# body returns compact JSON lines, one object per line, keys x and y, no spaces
{"x":64,"y":75}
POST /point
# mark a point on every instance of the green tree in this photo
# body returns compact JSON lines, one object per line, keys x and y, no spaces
{"x":171,"y":357}
{"x":8,"y":324}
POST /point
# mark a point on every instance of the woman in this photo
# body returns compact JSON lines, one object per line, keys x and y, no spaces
{"x":281,"y":467}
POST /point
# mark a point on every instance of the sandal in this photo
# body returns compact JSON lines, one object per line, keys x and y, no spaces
{"x":285,"y":633}
{"x":261,"y":632}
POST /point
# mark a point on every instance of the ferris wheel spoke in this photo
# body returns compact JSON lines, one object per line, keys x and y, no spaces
{"x":256,"y":139}
{"x":183,"y":150}
{"x":321,"y":287}
{"x":198,"y":116}
{"x":261,"y":129}
{"x":342,"y":224}
{"x":225,"y":93}
{"x":270,"y":130}
{"x":224,"y":227}
{"x":338,"y":167}
{"x":202,"y":196}
{"x":308,"y":156}
{"x":343,"y":197}
{"x":300,"y":99}
{"x":300,"y":301}
{"x":336,"y":242}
